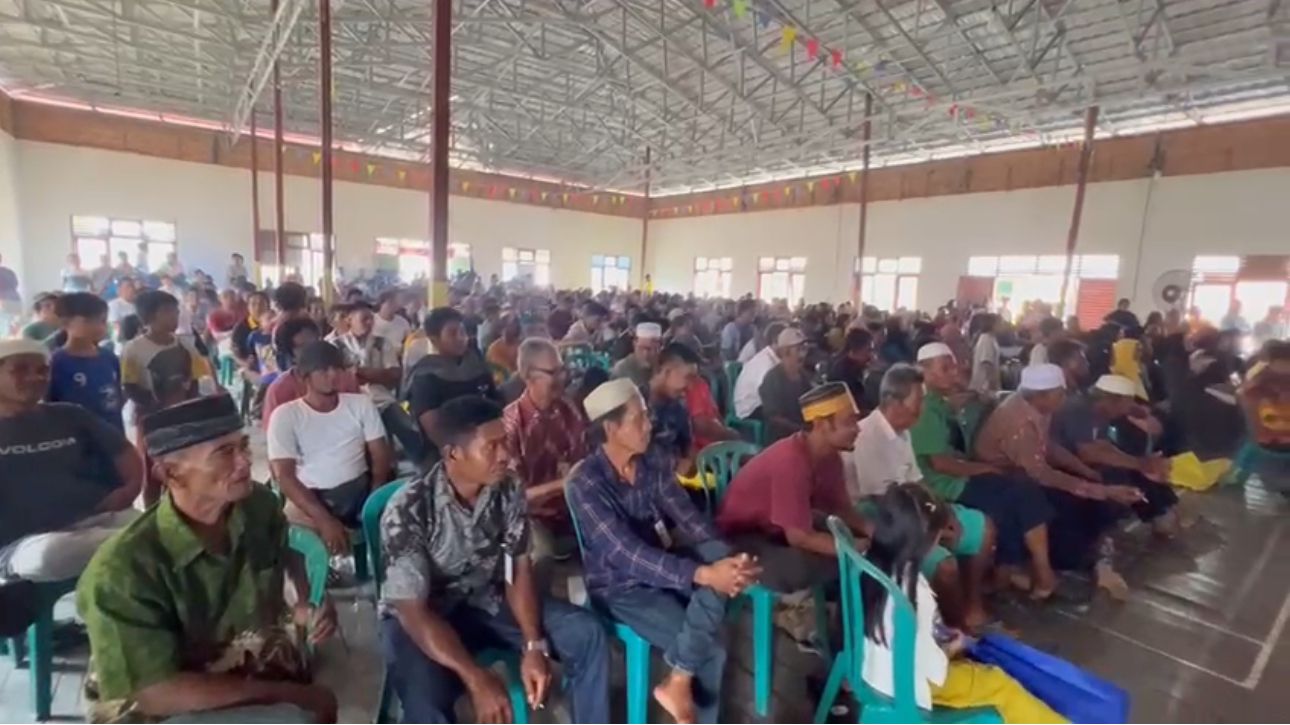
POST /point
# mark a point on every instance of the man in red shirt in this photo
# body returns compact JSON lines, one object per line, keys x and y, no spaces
{"x":774,"y":503}
{"x":705,"y":416}
{"x":545,"y":436}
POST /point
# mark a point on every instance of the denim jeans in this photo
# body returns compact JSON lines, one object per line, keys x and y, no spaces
{"x":428,"y":691}
{"x":687,"y":629}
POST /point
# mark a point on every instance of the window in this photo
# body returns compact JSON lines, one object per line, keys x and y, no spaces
{"x":1218,"y":281}
{"x":889,"y":283}
{"x":94,"y":237}
{"x":713,"y":276}
{"x":781,"y":278}
{"x":530,"y":265}
{"x":413,"y":260}
{"x":609,"y":272}
{"x":1027,"y":277}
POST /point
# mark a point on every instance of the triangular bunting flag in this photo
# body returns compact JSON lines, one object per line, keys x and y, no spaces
{"x":810,"y":186}
{"x":371,"y":169}
{"x":595,"y":199}
{"x":786,"y":39}
{"x":813,"y":48}
{"x":465,"y":186}
{"x":565,"y":198}
{"x":403,"y":175}
{"x":853,"y":175}
{"x":317,"y":156}
{"x":355,"y":166}
{"x":511,"y":192}
{"x":741,"y":7}
{"x":836,"y":58}
{"x":710,"y":4}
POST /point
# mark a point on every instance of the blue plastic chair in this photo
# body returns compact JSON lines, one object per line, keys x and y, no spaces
{"x":40,"y":646}
{"x":849,"y":664}
{"x":371,"y":520}
{"x":635,"y":649}
{"x":718,"y":463}
{"x":1249,"y":457}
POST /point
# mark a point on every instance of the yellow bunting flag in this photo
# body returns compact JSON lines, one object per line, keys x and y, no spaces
{"x":544,"y":196}
{"x":565,"y":198}
{"x":810,"y":186}
{"x":511,"y":192}
{"x":689,"y":209}
{"x":734,"y":202}
{"x":371,"y":169}
{"x":852,"y":175}
{"x":788,"y":191}
{"x":317,"y":156}
{"x":789,"y":35}
{"x":465,"y":186}
{"x":595,"y":199}
{"x":403,"y":175}
{"x":741,"y":7}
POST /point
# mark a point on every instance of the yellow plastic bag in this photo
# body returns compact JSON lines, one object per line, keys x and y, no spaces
{"x":1189,"y":472}
{"x":693,"y":482}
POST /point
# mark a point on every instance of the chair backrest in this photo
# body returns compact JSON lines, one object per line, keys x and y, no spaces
{"x":311,"y":548}
{"x":733,"y":368}
{"x":371,"y":520}
{"x":717,"y":465}
{"x":573,"y":517}
{"x":852,"y":568}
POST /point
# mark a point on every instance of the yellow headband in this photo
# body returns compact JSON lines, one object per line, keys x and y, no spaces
{"x":828,"y":407}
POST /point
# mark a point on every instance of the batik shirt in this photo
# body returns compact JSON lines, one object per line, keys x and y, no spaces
{"x":540,"y":442}
{"x":445,"y":553}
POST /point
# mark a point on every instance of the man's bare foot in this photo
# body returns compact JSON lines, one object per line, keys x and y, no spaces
{"x":1110,"y":580}
{"x":675,"y":696}
{"x":1019,"y":581}
{"x":1045,"y":583}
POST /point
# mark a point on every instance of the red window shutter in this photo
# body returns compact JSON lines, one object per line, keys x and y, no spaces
{"x":1264,"y":267}
{"x":1096,"y":298}
{"x":974,"y":290}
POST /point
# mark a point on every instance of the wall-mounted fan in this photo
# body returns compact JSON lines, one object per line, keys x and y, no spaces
{"x":1171,"y":290}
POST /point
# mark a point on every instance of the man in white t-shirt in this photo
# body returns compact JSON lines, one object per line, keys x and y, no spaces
{"x":390,"y":322}
{"x":748,"y":384}
{"x":121,"y":307}
{"x":375,"y":361}
{"x":327,"y":450}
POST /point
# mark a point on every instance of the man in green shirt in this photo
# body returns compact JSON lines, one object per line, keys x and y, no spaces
{"x":185,"y":608}
{"x":46,"y":322}
{"x":942,"y":438}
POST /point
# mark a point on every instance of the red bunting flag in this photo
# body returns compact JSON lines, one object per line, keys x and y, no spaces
{"x":710,"y":4}
{"x":836,"y":57}
{"x":355,"y":166}
{"x":813,"y":48}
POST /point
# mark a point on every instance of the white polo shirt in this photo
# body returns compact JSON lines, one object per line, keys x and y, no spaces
{"x":880,"y":458}
{"x":748,"y":385}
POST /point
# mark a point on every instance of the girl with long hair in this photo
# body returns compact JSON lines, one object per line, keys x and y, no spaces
{"x":909,"y":522}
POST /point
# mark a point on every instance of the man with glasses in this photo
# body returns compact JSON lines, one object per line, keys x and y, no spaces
{"x":545,"y":435}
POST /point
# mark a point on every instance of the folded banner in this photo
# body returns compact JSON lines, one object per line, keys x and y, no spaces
{"x":1078,"y":695}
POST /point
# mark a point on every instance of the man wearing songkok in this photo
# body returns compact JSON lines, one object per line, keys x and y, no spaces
{"x":638,"y":366}
{"x":1083,"y":426}
{"x":883,"y":456}
{"x":327,"y":450}
{"x":775,"y":507}
{"x":545,"y":436}
{"x":70,"y":477}
{"x":459,"y":579}
{"x":185,"y":608}
{"x":942,"y":440}
{"x":625,"y":500}
{"x":1016,"y":439}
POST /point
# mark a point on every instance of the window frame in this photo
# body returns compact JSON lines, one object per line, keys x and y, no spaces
{"x":158,"y":248}
{"x":786,"y":272}
{"x":538,"y":262}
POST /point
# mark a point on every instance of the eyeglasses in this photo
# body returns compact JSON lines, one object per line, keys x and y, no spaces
{"x":553,"y":372}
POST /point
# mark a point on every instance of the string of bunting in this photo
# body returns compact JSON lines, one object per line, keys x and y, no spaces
{"x":884,"y":74}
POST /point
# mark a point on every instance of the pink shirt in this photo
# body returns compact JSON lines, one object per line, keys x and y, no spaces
{"x":780,"y":488}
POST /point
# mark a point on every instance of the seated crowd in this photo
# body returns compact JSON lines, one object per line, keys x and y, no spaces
{"x":527,"y":427}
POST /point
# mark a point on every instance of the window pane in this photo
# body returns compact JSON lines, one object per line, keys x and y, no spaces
{"x":1217,"y":265}
{"x":700,"y":263}
{"x":526,"y":255}
{"x":869,"y":265}
{"x":765,"y":264}
{"x":727,"y":263}
{"x":983,"y":266}
{"x":509,"y":271}
{"x":597,"y":260}
{"x":544,"y":256}
{"x":1017,"y":263}
{"x":798,"y":264}
{"x":90,"y":250}
{"x":508,"y":254}
{"x":884,"y":291}
{"x":126,"y":228}
{"x":159,"y":231}
{"x":781,"y":265}
{"x":543,"y":276}
{"x":888,"y":266}
{"x":117,"y":245}
{"x":157,"y":252}
{"x":597,"y":279}
{"x":624,"y":262}
{"x":89,"y":226}
{"x":1099,"y":266}
{"x":1052,"y":263}
{"x":910,"y":265}
{"x":907,"y":292}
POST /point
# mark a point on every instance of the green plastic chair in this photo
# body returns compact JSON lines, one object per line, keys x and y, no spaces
{"x":227,"y":371}
{"x":1249,"y":457}
{"x":357,"y":537}
{"x":849,"y":663}
{"x":753,"y":430}
{"x":635,"y":649}
{"x":718,"y":463}
{"x":371,"y":520}
{"x":311,"y":548}
{"x":40,"y":647}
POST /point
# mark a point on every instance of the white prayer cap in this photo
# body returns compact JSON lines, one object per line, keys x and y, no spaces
{"x":934,"y":349}
{"x":22,"y":346}
{"x":790,"y":337}
{"x":1116,"y":385}
{"x":649,"y":331}
{"x":1045,"y":376}
{"x":674,"y":313}
{"x":608,"y":397}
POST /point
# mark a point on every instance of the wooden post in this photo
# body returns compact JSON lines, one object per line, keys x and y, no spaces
{"x":1081,"y":182}
{"x":645,"y":220}
{"x":280,"y":225}
{"x":866,"y":134}
{"x":439,"y":135}
{"x":255,"y":191}
{"x":325,"y":91}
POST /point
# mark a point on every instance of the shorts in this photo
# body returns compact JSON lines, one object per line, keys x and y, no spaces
{"x":971,"y":521}
{"x":345,"y":501}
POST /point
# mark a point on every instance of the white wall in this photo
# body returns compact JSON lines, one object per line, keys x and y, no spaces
{"x":1242,"y":212}
{"x":10,"y":248}
{"x":211,"y":207}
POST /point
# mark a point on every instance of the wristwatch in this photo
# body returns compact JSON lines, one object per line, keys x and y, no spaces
{"x":537,"y":645}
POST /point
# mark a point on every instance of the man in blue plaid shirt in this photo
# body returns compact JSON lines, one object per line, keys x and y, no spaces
{"x":623,"y":497}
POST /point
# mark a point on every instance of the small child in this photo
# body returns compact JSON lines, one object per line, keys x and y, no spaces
{"x":80,"y":371}
{"x":909,"y":520}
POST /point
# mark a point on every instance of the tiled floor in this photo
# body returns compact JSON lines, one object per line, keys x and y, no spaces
{"x":1202,"y":639}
